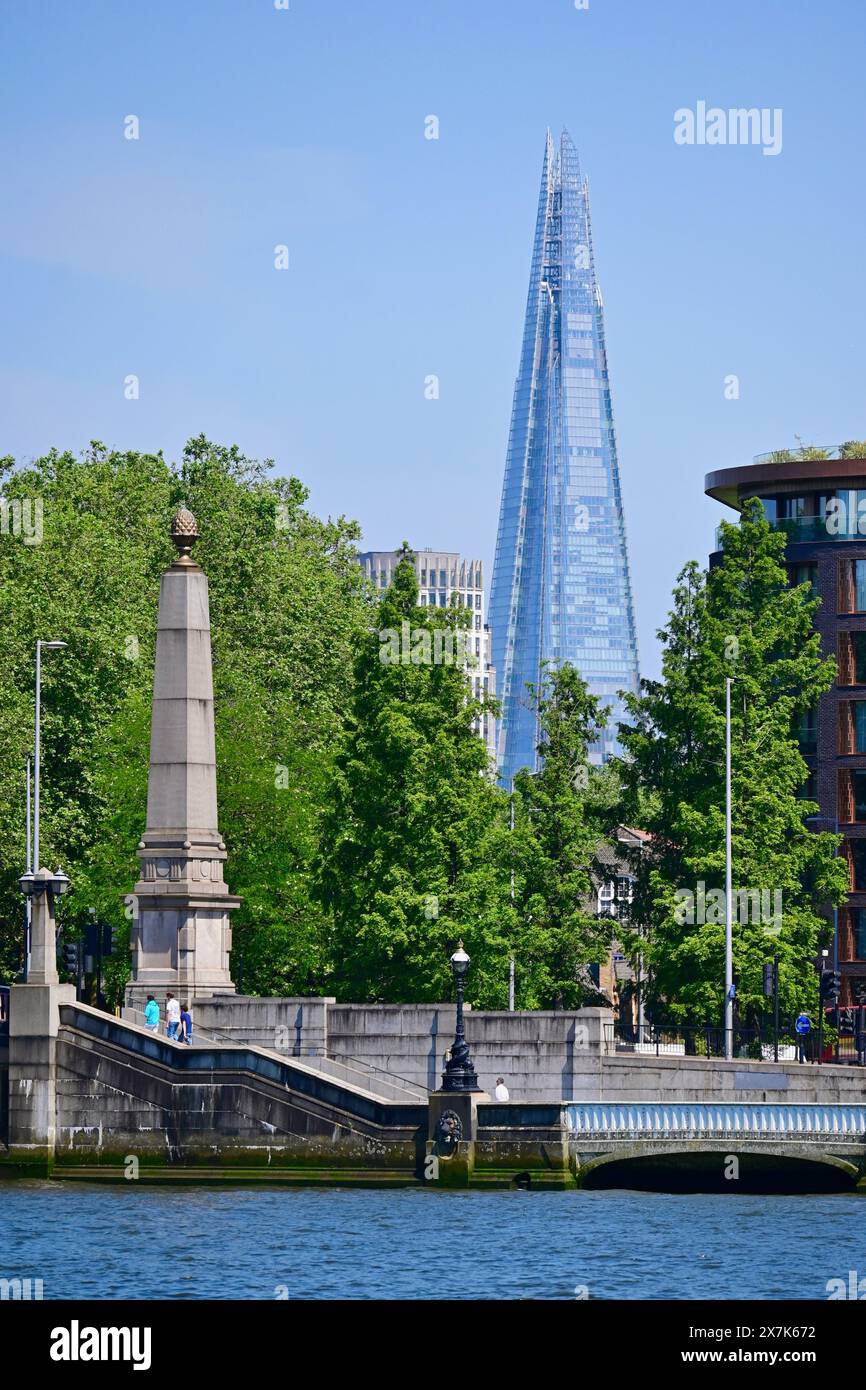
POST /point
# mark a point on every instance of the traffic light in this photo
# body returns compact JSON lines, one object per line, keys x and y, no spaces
{"x":769,"y":979}
{"x":831,"y":985}
{"x":846,"y":1023}
{"x":71,"y":958}
{"x":109,"y":939}
{"x":858,"y":989}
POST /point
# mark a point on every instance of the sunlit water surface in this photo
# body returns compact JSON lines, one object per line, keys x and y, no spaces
{"x":102,"y":1242}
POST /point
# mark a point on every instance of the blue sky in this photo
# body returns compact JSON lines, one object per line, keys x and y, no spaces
{"x":410,"y":257}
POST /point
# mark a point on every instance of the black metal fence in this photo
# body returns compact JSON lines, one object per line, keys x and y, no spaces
{"x":842,"y":1041}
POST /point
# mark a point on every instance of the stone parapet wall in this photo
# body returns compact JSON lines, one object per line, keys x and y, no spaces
{"x":543,"y":1056}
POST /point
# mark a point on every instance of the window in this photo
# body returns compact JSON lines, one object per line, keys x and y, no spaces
{"x":852,"y":796}
{"x":807,"y":731}
{"x":852,"y":726}
{"x":852,"y":658}
{"x":852,"y":586}
{"x":857,"y":855}
{"x":808,"y":790}
{"x":805,"y":572}
{"x":624,"y":895}
{"x":606,"y":899}
{"x":858,"y":924}
{"x":790,"y":507}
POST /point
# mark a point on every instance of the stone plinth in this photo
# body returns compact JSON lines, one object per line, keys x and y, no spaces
{"x":43,"y":933}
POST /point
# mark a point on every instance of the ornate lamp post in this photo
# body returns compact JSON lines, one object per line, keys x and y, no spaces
{"x":459,"y":1073}
{"x":33,"y":852}
{"x":37,"y":750}
{"x":43,"y":887}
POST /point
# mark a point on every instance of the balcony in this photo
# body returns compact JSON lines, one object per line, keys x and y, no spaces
{"x":808,"y":453}
{"x":801,"y":530}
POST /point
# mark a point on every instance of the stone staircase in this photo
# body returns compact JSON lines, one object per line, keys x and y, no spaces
{"x":352,"y":1070}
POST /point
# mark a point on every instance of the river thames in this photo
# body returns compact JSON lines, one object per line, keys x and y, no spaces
{"x":102,"y":1242}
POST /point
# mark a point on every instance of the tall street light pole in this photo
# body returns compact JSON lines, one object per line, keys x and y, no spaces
{"x":511,"y":848}
{"x":28,"y":868}
{"x":729,"y":934}
{"x":49,"y":647}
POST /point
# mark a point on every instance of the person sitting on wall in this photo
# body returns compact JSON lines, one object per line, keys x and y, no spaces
{"x":501,"y":1092}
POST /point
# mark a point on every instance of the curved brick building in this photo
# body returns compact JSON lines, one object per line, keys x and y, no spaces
{"x":820,"y":505}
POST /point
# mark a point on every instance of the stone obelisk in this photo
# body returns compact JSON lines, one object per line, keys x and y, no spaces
{"x":181,"y":935}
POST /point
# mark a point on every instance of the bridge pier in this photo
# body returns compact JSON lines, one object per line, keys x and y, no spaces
{"x":452,"y":1131}
{"x":34,"y":1023}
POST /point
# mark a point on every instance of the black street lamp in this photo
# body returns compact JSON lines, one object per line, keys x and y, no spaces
{"x":459,"y":1073}
{"x":33,"y":884}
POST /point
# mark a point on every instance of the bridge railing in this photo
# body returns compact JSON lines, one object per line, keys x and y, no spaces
{"x":844,"y":1041}
{"x":762,"y":1120}
{"x":703,"y":1040}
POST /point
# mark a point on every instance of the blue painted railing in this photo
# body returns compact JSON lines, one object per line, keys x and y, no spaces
{"x":750,"y":1119}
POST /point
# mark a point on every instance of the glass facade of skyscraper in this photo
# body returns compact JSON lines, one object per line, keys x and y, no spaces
{"x":561,"y":589}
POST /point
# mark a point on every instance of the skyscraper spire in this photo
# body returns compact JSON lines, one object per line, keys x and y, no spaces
{"x":561,"y":589}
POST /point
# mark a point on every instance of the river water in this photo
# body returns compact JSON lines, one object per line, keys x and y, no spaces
{"x":89,"y":1241}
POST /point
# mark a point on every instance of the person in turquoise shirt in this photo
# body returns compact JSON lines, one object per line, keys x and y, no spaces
{"x":151,"y":1014}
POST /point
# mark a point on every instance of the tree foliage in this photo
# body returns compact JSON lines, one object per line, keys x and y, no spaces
{"x":286,"y":600}
{"x":408,"y":862}
{"x":556,"y":837}
{"x":742,"y":620}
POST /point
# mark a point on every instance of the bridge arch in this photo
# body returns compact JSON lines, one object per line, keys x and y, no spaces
{"x":706,"y":1167}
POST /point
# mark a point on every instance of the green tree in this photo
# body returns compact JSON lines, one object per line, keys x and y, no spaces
{"x":413,"y":834}
{"x":287,"y":599}
{"x":557,"y":831}
{"x":743,"y":620}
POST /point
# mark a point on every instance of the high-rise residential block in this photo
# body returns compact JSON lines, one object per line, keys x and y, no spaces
{"x":444,"y":576}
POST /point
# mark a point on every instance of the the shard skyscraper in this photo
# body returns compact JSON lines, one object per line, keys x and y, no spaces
{"x":561,"y":588}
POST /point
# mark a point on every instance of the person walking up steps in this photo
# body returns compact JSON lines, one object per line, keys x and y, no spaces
{"x":172,"y":1017}
{"x":186,"y":1024}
